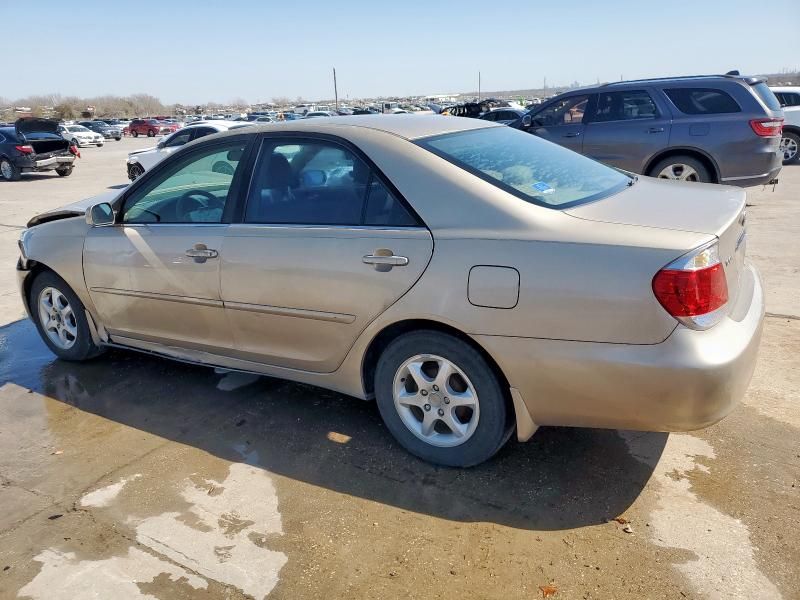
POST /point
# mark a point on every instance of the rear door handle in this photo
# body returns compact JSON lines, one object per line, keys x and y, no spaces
{"x":384,"y":260}
{"x":201,"y":253}
{"x":656,"y":130}
{"x":572,"y":134}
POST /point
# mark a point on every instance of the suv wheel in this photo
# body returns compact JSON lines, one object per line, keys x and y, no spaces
{"x":441,"y":400}
{"x":8,"y":171}
{"x":65,"y":172}
{"x":682,"y":168}
{"x":134,"y":133}
{"x":151,"y":133}
{"x":790,"y":144}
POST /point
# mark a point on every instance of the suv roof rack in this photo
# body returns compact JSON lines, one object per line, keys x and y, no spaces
{"x":729,"y":75}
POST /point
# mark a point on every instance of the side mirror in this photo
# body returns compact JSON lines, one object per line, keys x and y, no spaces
{"x":100,"y":215}
{"x":527,"y":121}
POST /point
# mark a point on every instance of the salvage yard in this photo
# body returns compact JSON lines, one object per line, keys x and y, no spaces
{"x":136,"y":477}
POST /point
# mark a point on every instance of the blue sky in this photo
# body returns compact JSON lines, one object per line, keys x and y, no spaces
{"x":197,"y":51}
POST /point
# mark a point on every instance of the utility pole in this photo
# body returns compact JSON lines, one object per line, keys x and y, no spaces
{"x":544,"y":88}
{"x":479,"y":86}
{"x":335,"y":90}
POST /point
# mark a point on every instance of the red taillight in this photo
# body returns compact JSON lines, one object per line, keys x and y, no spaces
{"x":691,"y":293}
{"x":26,"y":149}
{"x":694,"y":288}
{"x":767,"y":127}
{"x":74,"y":150}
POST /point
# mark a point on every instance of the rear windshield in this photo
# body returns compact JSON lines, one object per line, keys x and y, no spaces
{"x":529,"y":167}
{"x":767,"y":97}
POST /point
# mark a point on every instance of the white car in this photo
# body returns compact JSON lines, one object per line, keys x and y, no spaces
{"x":143,"y":160}
{"x":789,"y":97}
{"x":80,"y":135}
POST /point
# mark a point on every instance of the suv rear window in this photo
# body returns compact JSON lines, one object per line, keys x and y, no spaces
{"x":702,"y":101}
{"x":529,"y":167}
{"x":767,"y":97}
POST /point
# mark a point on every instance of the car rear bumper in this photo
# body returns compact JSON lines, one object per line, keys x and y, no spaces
{"x":689,"y":381}
{"x":33,"y":164}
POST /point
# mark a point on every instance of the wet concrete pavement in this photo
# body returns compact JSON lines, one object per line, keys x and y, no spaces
{"x":137,"y":477}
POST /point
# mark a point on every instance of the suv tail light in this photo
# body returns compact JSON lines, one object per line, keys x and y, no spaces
{"x":26,"y":149}
{"x":74,"y":150}
{"x":767,"y":127}
{"x":694,"y":289}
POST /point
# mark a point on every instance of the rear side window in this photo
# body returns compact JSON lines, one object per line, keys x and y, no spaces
{"x":624,"y":106}
{"x":702,"y":101}
{"x":767,"y":97}
{"x":788,"y":98}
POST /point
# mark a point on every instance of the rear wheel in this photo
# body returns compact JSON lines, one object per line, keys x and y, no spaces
{"x":65,"y":172}
{"x":135,"y":133}
{"x":8,"y":171}
{"x":118,"y":138}
{"x":60,"y":318}
{"x":76,"y":143}
{"x":441,"y":400}
{"x":682,"y":168}
{"x":790,"y":147}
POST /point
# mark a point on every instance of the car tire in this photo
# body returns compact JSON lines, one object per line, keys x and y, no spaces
{"x":151,"y":133}
{"x":75,"y":343}
{"x":683,"y":168}
{"x":76,"y":143}
{"x":8,"y":170}
{"x":790,"y":145}
{"x":135,"y":133}
{"x":484,"y":429}
{"x":118,"y":138}
{"x":65,"y":172}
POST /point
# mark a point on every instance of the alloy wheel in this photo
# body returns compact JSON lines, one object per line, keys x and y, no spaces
{"x":57,"y":318}
{"x":5,"y":169}
{"x":679,"y":171}
{"x":436,"y":400}
{"x":788,"y":148}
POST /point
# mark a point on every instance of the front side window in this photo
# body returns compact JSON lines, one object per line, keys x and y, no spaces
{"x":194,"y":190}
{"x":319,"y":183}
{"x":702,"y":101}
{"x":179,"y":139}
{"x":528,"y":167}
{"x":788,"y":98}
{"x":562,"y":112}
{"x":624,"y":106}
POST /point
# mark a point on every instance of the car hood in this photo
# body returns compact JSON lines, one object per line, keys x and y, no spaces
{"x":665,"y":204}
{"x":76,"y":209}
{"x":34,"y":125}
{"x":135,"y":152}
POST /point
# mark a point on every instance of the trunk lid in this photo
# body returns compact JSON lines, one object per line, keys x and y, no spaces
{"x":702,"y":208}
{"x":28,"y":125}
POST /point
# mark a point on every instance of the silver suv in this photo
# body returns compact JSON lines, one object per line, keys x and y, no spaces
{"x":709,"y":128}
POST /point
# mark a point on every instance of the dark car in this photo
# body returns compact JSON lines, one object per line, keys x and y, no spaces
{"x":103,"y":128}
{"x":505,"y":116}
{"x":710,"y":128}
{"x":34,"y":145}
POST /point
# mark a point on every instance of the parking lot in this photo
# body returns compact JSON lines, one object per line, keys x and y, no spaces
{"x":136,"y":477}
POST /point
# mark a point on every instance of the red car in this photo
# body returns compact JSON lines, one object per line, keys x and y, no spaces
{"x":150,"y":127}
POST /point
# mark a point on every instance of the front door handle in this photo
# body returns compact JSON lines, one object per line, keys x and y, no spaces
{"x":201,"y":253}
{"x":656,"y":130}
{"x":572,"y":134}
{"x":384,"y":260}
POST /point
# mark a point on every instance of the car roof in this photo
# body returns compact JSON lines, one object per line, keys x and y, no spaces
{"x":408,"y":126}
{"x":785,"y":88}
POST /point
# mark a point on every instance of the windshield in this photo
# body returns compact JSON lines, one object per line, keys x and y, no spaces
{"x":528,"y":167}
{"x":74,"y":128}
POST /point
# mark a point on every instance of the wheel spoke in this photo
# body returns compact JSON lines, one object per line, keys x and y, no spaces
{"x":459,"y":429}
{"x":71,"y":329}
{"x":465,"y":398}
{"x":62,"y":335}
{"x":443,"y":375}
{"x":420,"y":379}
{"x":428,"y":423}
{"x":410,"y":399}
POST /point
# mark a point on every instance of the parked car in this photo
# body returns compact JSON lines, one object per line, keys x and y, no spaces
{"x":80,"y":136}
{"x":150,"y":127}
{"x":789,"y":97}
{"x":504,"y":116}
{"x":107,"y":131}
{"x":143,"y":160}
{"x":470,"y":277}
{"x":319,"y":113}
{"x":714,"y":128}
{"x":34,"y":146}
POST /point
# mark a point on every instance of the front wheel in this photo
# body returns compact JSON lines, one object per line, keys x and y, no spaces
{"x":790,"y":147}
{"x":441,"y":400}
{"x":151,"y":133}
{"x":682,"y":168}
{"x":60,"y":318}
{"x":65,"y":172}
{"x":135,"y":133}
{"x":76,"y":143}
{"x":118,"y":138}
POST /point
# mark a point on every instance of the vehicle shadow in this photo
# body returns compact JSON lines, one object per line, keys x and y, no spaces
{"x":563,"y":478}
{"x":119,"y":186}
